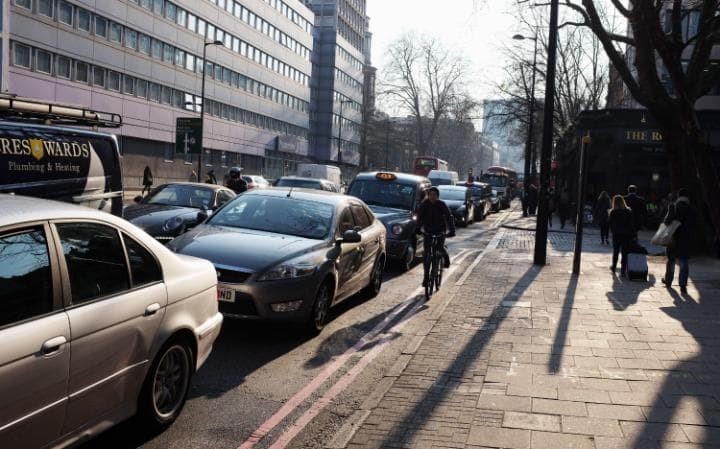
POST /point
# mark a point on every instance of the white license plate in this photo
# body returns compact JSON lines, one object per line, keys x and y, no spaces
{"x":226,"y":294}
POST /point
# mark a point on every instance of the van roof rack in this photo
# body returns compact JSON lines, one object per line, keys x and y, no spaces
{"x":16,"y":108}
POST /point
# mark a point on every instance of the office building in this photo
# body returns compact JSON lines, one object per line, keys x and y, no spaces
{"x":142,"y":59}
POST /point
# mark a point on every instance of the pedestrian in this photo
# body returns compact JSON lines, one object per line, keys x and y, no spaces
{"x":637,"y":204}
{"x":679,"y":249}
{"x":235,"y":182}
{"x":623,"y":231}
{"x":193,"y":176}
{"x":532,"y":199}
{"x":602,"y":208}
{"x":210,"y":178}
{"x":564,"y":206}
{"x":550,"y":201}
{"x":147,"y":180}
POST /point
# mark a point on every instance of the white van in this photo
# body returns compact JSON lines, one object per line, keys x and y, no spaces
{"x":443,"y":178}
{"x":320,"y":171}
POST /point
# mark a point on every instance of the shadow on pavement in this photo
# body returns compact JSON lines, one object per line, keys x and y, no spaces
{"x":625,"y":293}
{"x":692,"y":382}
{"x":556,"y":351}
{"x":403,"y":433}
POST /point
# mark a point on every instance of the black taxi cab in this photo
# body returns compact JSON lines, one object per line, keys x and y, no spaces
{"x":393,"y":198}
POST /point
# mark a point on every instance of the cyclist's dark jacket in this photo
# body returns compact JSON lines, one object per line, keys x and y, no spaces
{"x":436,"y":218}
{"x":237,"y":185}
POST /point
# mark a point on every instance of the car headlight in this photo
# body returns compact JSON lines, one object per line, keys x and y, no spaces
{"x":289,"y":271}
{"x":396,"y":229}
{"x":173,"y":224}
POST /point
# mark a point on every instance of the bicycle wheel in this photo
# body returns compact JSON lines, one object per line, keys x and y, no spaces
{"x":429,"y":284}
{"x":433,"y":274}
{"x":438,"y":276}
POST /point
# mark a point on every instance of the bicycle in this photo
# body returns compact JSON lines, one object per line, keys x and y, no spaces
{"x":434,"y":258}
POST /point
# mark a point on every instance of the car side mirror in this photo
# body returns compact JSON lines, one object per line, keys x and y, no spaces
{"x":202,"y":215}
{"x":138,"y":199}
{"x":351,"y":236}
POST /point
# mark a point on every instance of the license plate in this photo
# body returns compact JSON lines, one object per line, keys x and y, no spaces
{"x":226,"y":294}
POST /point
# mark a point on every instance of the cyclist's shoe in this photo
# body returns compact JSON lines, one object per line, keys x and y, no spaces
{"x":446,"y":261}
{"x":425,"y":282}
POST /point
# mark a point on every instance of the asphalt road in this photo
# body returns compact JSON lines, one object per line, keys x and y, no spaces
{"x":301,"y":389}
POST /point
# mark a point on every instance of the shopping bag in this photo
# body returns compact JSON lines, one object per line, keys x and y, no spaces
{"x":664,"y":234}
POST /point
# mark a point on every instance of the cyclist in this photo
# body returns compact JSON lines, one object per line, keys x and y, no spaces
{"x":434,"y":217}
{"x":235,"y":181}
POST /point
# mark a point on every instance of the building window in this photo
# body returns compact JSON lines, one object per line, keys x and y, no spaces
{"x":128,"y":85}
{"x":23,"y":3}
{"x":131,"y":39}
{"x":21,"y":55}
{"x":43,"y":61}
{"x":190,"y":62}
{"x":168,"y":152}
{"x":191,"y":22}
{"x":144,"y":43}
{"x":98,"y":76}
{"x":82,"y":72}
{"x":100,"y":26}
{"x":65,"y":13}
{"x":170,"y":11}
{"x":141,"y":88}
{"x":45,"y":7}
{"x":166,"y":95}
{"x":158,"y":6}
{"x":63,"y":67}
{"x":83,"y":20}
{"x":113,"y":80}
{"x":157,"y":48}
{"x":116,"y":32}
{"x":168,"y":53}
{"x":154,"y":92}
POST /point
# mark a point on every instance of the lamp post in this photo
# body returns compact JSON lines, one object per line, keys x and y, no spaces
{"x":339,"y":158}
{"x":540,"y":255}
{"x":202,"y":107}
{"x":531,"y":118}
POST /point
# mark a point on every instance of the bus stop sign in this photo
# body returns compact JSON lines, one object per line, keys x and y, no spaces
{"x":188,"y":135}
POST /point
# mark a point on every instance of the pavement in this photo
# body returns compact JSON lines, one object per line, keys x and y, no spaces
{"x":512,"y":355}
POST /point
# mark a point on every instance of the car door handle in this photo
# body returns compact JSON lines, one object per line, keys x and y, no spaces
{"x":53,"y":345}
{"x":152,"y":309}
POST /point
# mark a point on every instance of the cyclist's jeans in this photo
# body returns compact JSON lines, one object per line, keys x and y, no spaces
{"x":426,"y":252}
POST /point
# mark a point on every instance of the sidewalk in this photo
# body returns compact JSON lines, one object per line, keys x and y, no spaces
{"x":519,"y":356}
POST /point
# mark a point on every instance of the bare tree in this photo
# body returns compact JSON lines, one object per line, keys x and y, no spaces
{"x":423,"y":79}
{"x":662,"y":37}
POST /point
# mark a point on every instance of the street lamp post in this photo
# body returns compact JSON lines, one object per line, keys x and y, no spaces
{"x":202,"y":107}
{"x":531,"y":118}
{"x":339,"y":157}
{"x":540,"y":255}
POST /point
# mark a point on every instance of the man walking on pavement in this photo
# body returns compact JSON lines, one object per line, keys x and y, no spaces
{"x":637,"y":204}
{"x":434,"y":217}
{"x":681,"y":244}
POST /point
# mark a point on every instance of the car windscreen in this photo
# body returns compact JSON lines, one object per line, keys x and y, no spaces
{"x":180,"y":195}
{"x":302,"y":183}
{"x":494,"y":180}
{"x":384,"y":193}
{"x":280,"y":215}
{"x":452,"y":194}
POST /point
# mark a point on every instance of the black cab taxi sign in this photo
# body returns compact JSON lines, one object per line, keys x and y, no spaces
{"x":384,"y":176}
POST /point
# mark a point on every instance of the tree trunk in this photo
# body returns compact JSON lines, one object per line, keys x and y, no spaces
{"x":691,"y":166}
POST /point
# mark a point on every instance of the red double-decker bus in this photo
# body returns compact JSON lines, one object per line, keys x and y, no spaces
{"x":423,"y":164}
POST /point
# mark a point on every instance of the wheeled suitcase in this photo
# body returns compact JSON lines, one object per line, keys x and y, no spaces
{"x":637,"y":267}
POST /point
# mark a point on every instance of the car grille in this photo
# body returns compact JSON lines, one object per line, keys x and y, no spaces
{"x":243,"y":305}
{"x":232,"y":276}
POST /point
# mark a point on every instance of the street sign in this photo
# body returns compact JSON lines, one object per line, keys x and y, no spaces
{"x":188,"y":135}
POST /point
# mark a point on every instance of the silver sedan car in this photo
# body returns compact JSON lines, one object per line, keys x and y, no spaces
{"x":289,"y":254}
{"x":98,"y":321}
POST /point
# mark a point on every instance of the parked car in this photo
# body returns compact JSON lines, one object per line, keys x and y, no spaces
{"x":306,"y":183}
{"x":171,"y":209}
{"x":98,"y":321}
{"x":481,"y":194}
{"x":289,"y":254}
{"x":256,"y":181}
{"x":459,"y":201}
{"x":393,"y":198}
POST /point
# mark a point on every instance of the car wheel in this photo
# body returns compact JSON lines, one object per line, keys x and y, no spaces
{"x":376,"y":278}
{"x":166,"y":385}
{"x":320,"y":309}
{"x":406,"y":262}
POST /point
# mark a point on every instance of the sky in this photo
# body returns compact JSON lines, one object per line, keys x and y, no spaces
{"x":476,"y":28}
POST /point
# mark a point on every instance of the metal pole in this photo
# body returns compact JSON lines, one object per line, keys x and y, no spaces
{"x":540,"y":256}
{"x":531,"y":120}
{"x":202,"y":113}
{"x":582,"y":170}
{"x":387,"y":144}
